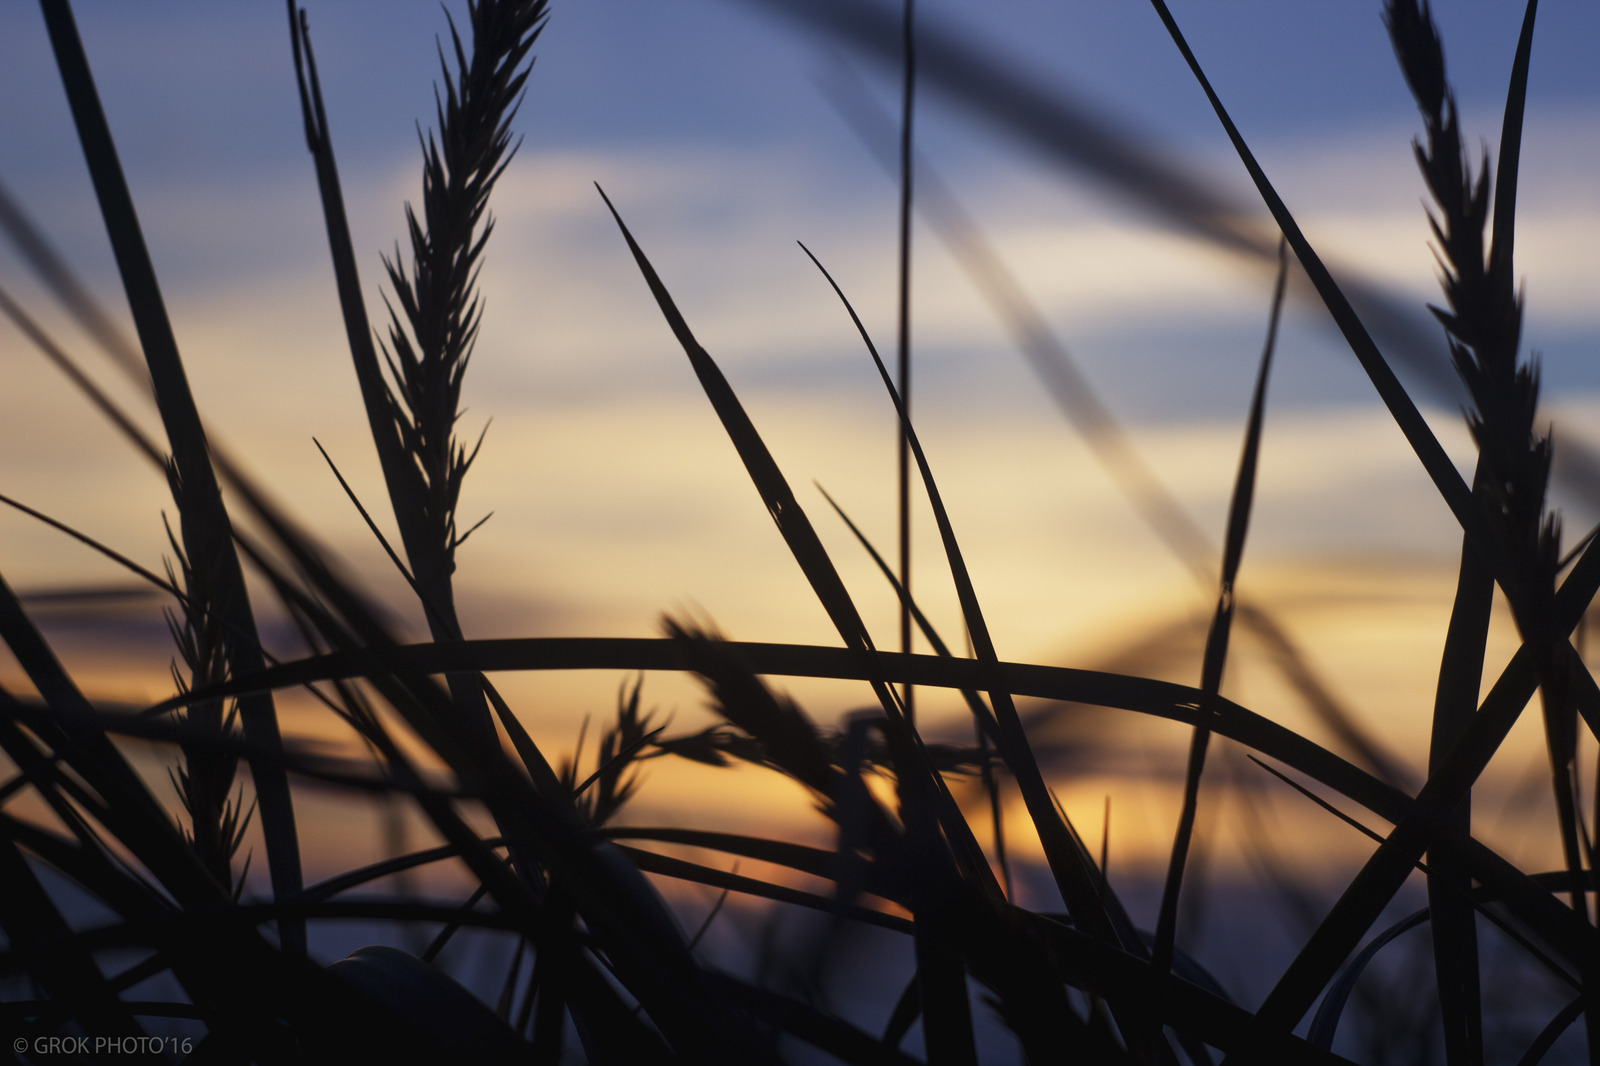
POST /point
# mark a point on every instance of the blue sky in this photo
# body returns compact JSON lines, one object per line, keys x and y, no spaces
{"x":614,"y":495}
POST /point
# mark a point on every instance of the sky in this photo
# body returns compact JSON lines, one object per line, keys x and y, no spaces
{"x":615,"y":496}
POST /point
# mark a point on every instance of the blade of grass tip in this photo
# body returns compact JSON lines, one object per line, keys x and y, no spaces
{"x":1410,"y":421}
{"x":66,"y":971}
{"x":775,"y":492}
{"x":209,"y":545}
{"x":1105,"y":840}
{"x":375,"y":398}
{"x":920,"y":787}
{"x":1216,"y":650}
{"x":1505,"y":171}
{"x":372,"y":527}
{"x":1076,"y":884}
{"x":908,"y":39}
{"x":711,"y":916}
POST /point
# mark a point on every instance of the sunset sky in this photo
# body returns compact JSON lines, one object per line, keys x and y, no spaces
{"x":614,"y":491}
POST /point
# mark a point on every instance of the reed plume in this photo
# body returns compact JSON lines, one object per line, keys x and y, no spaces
{"x":431,"y":334}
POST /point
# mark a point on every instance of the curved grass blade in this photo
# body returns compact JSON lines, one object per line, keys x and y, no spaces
{"x":980,"y":712}
{"x":1552,"y":1032}
{"x":814,"y":861}
{"x":1556,"y":924}
{"x":1326,"y":1021}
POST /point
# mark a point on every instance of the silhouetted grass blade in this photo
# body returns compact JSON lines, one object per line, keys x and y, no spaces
{"x":1081,"y":886}
{"x":207,"y":530}
{"x":1216,"y":648}
{"x":769,"y":481}
{"x":1073,"y":878}
{"x":1407,"y":417}
{"x":1048,"y":356}
{"x":1552,"y":1032}
{"x":1326,"y":1022}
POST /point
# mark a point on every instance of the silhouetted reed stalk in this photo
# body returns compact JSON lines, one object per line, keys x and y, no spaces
{"x":431,"y":336}
{"x":217,"y":821}
{"x":204,"y":521}
{"x":1483,"y":323}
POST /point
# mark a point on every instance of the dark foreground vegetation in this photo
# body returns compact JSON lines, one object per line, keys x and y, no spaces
{"x":184,"y":964}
